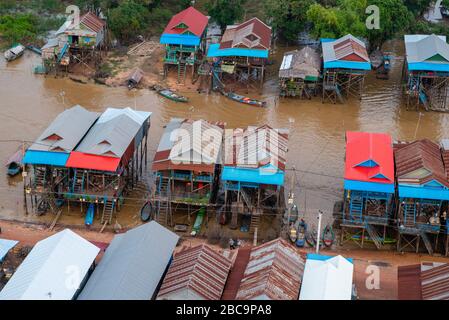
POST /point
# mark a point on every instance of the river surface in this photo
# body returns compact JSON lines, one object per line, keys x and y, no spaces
{"x":28,"y":103}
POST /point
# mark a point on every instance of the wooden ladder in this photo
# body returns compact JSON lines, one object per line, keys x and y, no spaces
{"x":164,"y":216}
{"x":181,"y":72}
{"x":108,"y":211}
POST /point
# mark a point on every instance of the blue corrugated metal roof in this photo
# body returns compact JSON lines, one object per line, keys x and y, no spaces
{"x":347,"y":65}
{"x":320,"y":257}
{"x":184,"y":39}
{"x":327,"y":40}
{"x":428,"y":66}
{"x":262,"y":175}
{"x":421,"y":192}
{"x":215,"y":51}
{"x":368,"y":186}
{"x":5,"y":246}
{"x":46,"y":157}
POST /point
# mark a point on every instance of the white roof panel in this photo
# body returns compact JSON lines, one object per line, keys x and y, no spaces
{"x":53,"y":270}
{"x":329,"y":279}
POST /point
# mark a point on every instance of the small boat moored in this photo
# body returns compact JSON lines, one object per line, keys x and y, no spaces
{"x":245,"y":100}
{"x":134,"y":78}
{"x":169,"y":94}
{"x":14,"y":52}
{"x":90,"y":215}
{"x":14,"y":163}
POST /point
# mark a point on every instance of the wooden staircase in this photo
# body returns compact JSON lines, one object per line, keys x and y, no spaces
{"x":246,"y":199}
{"x":255,"y":220}
{"x":374,"y":235}
{"x":181,"y":71}
{"x":108,"y":211}
{"x":39,"y":177}
{"x":356,"y":209}
{"x":164,"y":216}
{"x":426,"y":241}
{"x":409,"y":211}
{"x":78,"y":181}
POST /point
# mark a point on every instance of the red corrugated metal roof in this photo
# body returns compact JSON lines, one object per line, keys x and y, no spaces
{"x":364,"y":147}
{"x":274,"y":270}
{"x":192,"y":18}
{"x":199,"y":269}
{"x":92,"y":162}
{"x":350,"y":49}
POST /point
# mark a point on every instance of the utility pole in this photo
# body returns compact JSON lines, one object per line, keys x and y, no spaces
{"x":320,"y":215}
{"x":24,"y":174}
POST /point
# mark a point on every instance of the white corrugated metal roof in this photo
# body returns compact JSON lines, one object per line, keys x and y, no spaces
{"x":66,"y":130}
{"x":113,"y":132}
{"x":419,"y":48}
{"x":53,"y":270}
{"x":133,"y":264}
{"x":329,"y":279}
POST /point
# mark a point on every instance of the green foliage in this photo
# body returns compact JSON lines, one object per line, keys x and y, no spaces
{"x":128,"y":20}
{"x":394,"y":18}
{"x":18,"y":28}
{"x":287,"y":17}
{"x":417,"y":7}
{"x":225,"y":12}
{"x":159,"y":18}
{"x":333,"y":22}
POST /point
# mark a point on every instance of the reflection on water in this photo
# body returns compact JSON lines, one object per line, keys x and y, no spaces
{"x":316,"y":147}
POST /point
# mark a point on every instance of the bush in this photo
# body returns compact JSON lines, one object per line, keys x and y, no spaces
{"x":128,"y":20}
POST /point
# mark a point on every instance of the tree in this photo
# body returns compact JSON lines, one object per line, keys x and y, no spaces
{"x":225,"y":12}
{"x":394,"y":18}
{"x":128,"y":20}
{"x":18,"y":27}
{"x":417,"y":7}
{"x":348,"y":17}
{"x":287,"y":17}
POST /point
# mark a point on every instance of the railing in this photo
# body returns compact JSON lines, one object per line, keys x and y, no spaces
{"x":181,"y":176}
{"x":203,"y":178}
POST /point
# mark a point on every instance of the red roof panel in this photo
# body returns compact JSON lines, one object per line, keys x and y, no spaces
{"x":192,"y":18}
{"x":362,"y":147}
{"x":92,"y":162}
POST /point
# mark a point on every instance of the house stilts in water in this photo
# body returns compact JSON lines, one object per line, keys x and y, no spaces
{"x":75,"y":44}
{"x":88,"y":158}
{"x":423,"y":191}
{"x":242,"y":54}
{"x":299,"y":73}
{"x":345,"y":63}
{"x":426,"y":72}
{"x":253,"y":174}
{"x":187,"y":165}
{"x":368,"y":187}
{"x":183,"y":38}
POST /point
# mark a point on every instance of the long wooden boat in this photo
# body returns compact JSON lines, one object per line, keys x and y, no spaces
{"x":14,"y":52}
{"x":169,"y":94}
{"x":89,"y":219}
{"x":245,"y":100}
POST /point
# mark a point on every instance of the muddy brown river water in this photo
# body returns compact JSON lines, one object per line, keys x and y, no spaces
{"x":29,"y":102}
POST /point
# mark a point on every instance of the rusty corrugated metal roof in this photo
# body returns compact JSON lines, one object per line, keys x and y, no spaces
{"x":435,"y":281}
{"x":274,"y":271}
{"x":419,"y":162}
{"x":409,"y":282}
{"x":199,"y":269}
{"x":255,"y":147}
{"x":425,"y":281}
{"x":200,"y":142}
{"x":236,"y":274}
